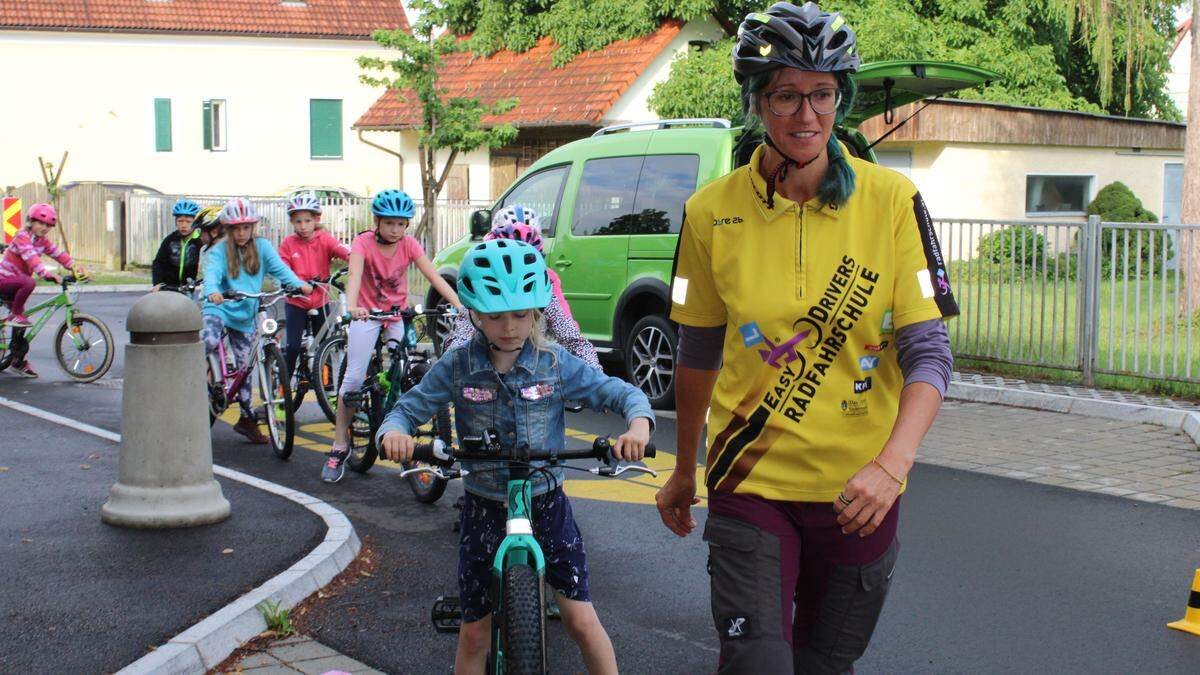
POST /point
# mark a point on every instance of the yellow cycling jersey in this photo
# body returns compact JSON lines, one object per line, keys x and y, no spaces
{"x":811,"y":295}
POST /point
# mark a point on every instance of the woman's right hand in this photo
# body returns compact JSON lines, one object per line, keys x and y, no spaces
{"x":216,"y":298}
{"x":675,"y":501}
{"x":397,"y":446}
{"x":358,"y":312}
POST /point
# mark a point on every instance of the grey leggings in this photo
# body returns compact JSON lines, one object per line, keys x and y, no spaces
{"x":239,"y":342}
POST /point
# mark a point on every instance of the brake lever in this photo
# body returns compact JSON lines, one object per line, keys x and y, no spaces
{"x":614,"y":471}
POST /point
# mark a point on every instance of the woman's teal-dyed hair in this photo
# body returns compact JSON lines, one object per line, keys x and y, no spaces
{"x":838,"y":183}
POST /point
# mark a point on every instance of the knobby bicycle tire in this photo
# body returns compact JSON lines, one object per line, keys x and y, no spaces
{"x":523,"y":633}
{"x":276,"y":392}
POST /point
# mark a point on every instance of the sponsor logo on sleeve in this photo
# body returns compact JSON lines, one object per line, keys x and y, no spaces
{"x":751,"y":334}
{"x":862,"y":386}
{"x":868,"y":362}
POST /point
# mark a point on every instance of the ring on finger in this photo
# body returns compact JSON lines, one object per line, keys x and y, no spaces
{"x":846,"y":501}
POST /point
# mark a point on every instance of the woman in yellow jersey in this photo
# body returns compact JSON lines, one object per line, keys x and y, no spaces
{"x":811,"y":293}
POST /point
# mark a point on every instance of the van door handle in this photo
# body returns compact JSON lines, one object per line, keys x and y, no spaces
{"x":563,"y":263}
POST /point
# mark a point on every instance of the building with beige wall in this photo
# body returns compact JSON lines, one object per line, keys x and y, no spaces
{"x":193,"y":96}
{"x":997,"y":162}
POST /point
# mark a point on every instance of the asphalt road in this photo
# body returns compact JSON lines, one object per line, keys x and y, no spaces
{"x":995,"y":575}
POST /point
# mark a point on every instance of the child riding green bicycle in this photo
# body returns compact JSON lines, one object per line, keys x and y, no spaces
{"x":506,"y":378}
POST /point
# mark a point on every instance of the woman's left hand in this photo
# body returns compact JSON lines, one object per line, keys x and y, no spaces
{"x":631,"y":445}
{"x":871,"y":493}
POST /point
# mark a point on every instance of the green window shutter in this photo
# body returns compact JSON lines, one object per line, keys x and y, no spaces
{"x":208,"y":141}
{"x":325,"y":128}
{"x":162,"y":124}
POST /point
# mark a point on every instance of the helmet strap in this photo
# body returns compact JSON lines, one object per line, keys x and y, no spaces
{"x":381,"y":241}
{"x":780,"y":172}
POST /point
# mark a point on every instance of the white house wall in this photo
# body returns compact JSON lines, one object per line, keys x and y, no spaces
{"x":1180,"y":73}
{"x":93,"y":94}
{"x":632,"y":105}
{"x":479,"y":180}
{"x":987,"y":182}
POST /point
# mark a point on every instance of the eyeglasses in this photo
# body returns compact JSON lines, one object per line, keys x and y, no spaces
{"x":786,"y":103}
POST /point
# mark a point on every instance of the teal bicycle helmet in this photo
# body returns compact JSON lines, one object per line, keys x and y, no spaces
{"x":393,"y":204}
{"x":503,"y":275}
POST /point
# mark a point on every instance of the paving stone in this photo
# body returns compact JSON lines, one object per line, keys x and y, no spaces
{"x":321,"y":666}
{"x":271,"y":670}
{"x":259,"y":660}
{"x":1184,"y":503}
{"x":301,"y":651}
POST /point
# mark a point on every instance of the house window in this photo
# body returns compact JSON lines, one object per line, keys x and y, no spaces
{"x":1057,"y":195}
{"x":325,"y":128}
{"x":162,"y":125}
{"x":215,"y":127}
{"x":896,"y":160}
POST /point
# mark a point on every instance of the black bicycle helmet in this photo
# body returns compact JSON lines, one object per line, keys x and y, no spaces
{"x":787,"y":36}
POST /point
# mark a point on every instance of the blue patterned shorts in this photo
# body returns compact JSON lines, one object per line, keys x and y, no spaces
{"x":482,"y":530}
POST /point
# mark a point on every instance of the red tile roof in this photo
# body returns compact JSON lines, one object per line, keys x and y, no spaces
{"x":578,"y":94}
{"x":320,"y":18}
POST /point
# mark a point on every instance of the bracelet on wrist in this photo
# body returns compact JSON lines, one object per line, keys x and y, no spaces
{"x":875,"y":460}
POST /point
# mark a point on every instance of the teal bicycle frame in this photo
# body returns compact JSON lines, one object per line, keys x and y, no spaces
{"x":519,"y":548}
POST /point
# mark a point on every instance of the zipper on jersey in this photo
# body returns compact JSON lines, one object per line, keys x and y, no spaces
{"x":801,"y":249}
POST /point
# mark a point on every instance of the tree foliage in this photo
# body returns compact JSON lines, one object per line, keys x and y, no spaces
{"x":453,"y":123}
{"x":1048,"y":52}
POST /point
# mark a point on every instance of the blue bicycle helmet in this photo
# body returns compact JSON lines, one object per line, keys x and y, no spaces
{"x":503,"y":275}
{"x":393,"y":204}
{"x":185,"y":207}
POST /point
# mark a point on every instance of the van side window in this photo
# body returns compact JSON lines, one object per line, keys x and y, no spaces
{"x":607,"y":189}
{"x":540,"y":192}
{"x":665,"y":185}
{"x":634,"y":195}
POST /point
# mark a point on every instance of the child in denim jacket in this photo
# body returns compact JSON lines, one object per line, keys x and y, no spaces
{"x":507,"y":379}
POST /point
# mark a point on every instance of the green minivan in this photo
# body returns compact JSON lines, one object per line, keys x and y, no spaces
{"x":611,"y":207}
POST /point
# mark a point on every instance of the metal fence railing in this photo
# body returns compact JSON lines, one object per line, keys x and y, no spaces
{"x":1095,"y":297}
{"x":148,"y":219}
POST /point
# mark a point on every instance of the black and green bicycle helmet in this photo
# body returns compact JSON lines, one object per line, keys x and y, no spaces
{"x":787,"y":36}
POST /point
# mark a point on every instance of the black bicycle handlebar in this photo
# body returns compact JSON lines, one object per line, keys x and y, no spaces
{"x":487,"y":448}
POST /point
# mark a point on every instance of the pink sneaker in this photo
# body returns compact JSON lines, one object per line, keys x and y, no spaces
{"x":18,"y":321}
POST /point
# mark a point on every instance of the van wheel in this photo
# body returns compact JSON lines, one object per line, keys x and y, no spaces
{"x":650,"y":351}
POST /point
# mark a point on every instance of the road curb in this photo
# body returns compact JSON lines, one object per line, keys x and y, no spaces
{"x":108,"y":288}
{"x":206,"y":644}
{"x":1184,"y":420}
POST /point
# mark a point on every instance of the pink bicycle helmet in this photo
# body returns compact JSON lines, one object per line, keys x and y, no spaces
{"x":237,"y":211}
{"x":44,"y":213}
{"x":519,"y":223}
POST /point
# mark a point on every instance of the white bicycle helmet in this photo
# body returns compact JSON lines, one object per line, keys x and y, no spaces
{"x":304,"y":202}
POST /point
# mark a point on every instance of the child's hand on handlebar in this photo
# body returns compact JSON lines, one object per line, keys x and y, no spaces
{"x":216,"y":298}
{"x":397,"y":446}
{"x":306,"y":289}
{"x":359,"y":313}
{"x":631,"y":445}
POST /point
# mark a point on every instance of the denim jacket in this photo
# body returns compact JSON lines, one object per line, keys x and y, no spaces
{"x":525,"y":405}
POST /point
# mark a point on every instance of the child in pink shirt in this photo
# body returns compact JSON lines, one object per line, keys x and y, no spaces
{"x":379,"y":262}
{"x":308,"y":253}
{"x":23,"y":261}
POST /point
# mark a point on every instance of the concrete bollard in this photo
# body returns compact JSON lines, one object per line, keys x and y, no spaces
{"x":165,"y":476}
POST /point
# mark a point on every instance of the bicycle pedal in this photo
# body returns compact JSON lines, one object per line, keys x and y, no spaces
{"x":446,"y":614}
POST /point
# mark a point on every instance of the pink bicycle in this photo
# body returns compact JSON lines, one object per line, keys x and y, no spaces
{"x":269,"y":370}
